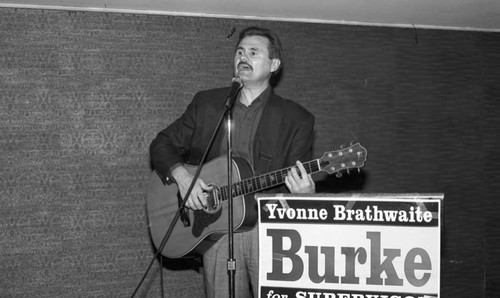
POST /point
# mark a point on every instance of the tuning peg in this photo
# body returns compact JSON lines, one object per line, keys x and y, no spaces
{"x":348,"y":173}
{"x":342,"y":146}
{"x":339,"y":174}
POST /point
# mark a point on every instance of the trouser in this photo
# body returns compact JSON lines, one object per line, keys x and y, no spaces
{"x":246,"y":254}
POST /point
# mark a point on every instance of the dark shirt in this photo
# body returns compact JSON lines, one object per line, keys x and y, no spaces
{"x":245,"y":123}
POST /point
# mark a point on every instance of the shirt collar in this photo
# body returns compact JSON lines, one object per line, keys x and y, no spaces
{"x":260,"y":100}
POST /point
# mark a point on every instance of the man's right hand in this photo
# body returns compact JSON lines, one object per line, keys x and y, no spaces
{"x":196,"y":200}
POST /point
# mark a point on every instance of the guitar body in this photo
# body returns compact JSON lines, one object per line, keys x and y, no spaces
{"x":197,"y":231}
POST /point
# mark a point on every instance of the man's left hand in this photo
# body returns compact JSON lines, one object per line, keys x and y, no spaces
{"x":299,"y":183}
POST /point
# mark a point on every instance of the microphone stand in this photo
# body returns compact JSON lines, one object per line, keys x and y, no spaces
{"x":235,"y":88}
{"x":170,"y":229}
{"x":231,"y":262}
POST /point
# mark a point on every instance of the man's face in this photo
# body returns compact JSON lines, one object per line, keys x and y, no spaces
{"x":251,"y":61}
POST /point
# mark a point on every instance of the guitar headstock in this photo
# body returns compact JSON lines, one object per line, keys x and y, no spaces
{"x":351,"y":157}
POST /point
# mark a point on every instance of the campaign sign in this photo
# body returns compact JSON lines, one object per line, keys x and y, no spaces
{"x":351,"y":246}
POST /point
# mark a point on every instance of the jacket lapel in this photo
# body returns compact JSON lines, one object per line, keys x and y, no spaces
{"x":220,"y":137}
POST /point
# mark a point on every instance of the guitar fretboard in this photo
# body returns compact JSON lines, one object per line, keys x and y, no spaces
{"x":265,"y":181}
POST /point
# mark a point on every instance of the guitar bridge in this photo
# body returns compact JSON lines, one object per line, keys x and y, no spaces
{"x":213,"y":200}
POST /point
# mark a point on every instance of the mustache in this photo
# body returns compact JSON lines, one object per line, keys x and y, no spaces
{"x":242,"y":63}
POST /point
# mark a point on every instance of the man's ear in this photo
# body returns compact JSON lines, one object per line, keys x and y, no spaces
{"x":275,"y":64}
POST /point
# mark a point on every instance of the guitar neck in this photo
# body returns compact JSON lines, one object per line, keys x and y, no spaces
{"x":265,"y":181}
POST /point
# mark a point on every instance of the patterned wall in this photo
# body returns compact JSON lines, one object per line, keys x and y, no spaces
{"x":82,"y":95}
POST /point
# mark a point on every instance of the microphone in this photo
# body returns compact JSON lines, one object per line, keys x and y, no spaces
{"x":236,"y":85}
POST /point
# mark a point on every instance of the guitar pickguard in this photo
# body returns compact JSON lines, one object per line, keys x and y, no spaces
{"x":202,"y":220}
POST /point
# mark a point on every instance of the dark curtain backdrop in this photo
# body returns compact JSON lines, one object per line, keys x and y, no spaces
{"x":82,"y":94}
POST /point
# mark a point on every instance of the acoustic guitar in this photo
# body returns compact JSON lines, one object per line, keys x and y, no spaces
{"x":198,"y":230}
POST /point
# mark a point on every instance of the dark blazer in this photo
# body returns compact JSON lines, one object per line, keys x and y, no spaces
{"x":284,"y":135}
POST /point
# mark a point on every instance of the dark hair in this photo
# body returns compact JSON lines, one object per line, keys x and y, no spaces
{"x":275,"y":49}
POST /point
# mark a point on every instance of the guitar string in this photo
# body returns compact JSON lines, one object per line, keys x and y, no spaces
{"x":264,"y":181}
{"x":267,"y":181}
